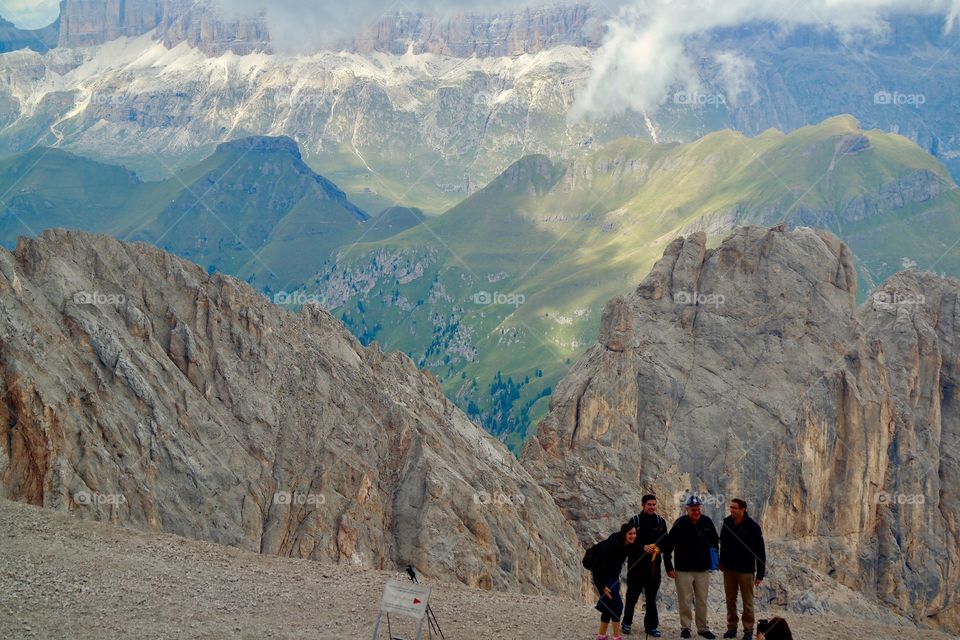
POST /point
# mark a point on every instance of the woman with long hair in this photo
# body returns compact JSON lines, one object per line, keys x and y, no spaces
{"x":610,"y":556}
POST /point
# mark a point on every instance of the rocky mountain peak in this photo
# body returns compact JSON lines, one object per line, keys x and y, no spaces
{"x":137,"y":389}
{"x":746,"y":370}
{"x":463,"y":35}
{"x":279,"y":157}
{"x":85,"y":23}
{"x":754,"y":264}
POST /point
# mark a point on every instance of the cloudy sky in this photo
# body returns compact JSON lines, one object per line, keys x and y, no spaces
{"x":644,"y":56}
{"x":30,"y":14}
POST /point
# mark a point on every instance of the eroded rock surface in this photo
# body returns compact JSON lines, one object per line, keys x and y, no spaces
{"x":137,"y":389}
{"x":747,"y":370}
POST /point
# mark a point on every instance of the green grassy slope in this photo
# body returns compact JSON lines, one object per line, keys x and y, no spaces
{"x":550,"y":244}
{"x":502,"y":292}
{"x":256,"y":210}
{"x":45,"y":188}
{"x":253,"y":208}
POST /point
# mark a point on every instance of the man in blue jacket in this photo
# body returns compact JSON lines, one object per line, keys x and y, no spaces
{"x":691,"y":540}
{"x":743,"y":560}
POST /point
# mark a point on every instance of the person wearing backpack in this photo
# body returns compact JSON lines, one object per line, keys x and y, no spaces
{"x":743,"y":561}
{"x":643,"y":566}
{"x":694,"y":544}
{"x":605,"y":561}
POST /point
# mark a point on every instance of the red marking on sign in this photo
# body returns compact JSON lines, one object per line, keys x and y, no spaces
{"x":416,"y":601}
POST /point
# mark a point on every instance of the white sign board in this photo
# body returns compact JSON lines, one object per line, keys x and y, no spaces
{"x":405,"y":599}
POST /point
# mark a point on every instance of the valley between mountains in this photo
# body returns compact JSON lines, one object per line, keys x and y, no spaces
{"x":130,"y":372}
{"x":294,"y":296}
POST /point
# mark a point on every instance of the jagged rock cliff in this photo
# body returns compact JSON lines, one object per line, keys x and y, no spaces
{"x":90,"y":22}
{"x":464,"y":35}
{"x":203,"y":26}
{"x":137,"y":389}
{"x":746,"y":370}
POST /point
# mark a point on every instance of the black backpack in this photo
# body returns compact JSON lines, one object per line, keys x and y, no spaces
{"x":590,"y":557}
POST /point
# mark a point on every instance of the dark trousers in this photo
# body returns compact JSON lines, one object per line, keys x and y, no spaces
{"x":611,"y":608}
{"x":648,"y":582}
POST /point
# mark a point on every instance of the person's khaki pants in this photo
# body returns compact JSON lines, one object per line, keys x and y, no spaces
{"x":734,"y":582}
{"x":693,"y":584}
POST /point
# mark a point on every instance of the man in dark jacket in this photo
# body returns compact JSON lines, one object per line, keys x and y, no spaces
{"x":643,"y":566}
{"x":690,"y":541}
{"x":743,"y":560}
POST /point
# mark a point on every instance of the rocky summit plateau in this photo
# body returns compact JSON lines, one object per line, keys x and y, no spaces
{"x":140,"y":391}
{"x":133,"y":584}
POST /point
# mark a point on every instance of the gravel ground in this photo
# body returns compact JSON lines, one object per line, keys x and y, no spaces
{"x":64,"y":578}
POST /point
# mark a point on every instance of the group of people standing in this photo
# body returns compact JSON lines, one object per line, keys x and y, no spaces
{"x":689,"y":550}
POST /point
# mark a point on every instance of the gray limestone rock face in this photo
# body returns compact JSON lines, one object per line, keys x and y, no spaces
{"x":91,"y":22}
{"x":139,"y":390}
{"x":206,"y":26}
{"x":747,"y":371}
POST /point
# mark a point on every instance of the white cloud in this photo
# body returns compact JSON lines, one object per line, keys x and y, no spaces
{"x":30,"y":14}
{"x":736,"y":77}
{"x":644,"y":56}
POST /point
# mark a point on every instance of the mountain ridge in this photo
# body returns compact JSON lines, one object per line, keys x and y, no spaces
{"x":747,"y":370}
{"x":428,"y":127}
{"x":553,"y":239}
{"x":256,"y":193}
{"x":131,"y":372}
{"x":84,"y":23}
{"x":127,"y":371}
{"x":552,"y":242}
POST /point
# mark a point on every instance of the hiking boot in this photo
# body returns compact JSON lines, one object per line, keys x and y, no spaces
{"x":707,"y":634}
{"x":730,"y":633}
{"x":654,"y":633}
{"x":625,"y":629}
{"x":685,"y":633}
{"x":748,"y":635}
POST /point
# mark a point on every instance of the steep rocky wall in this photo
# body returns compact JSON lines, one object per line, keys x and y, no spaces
{"x":86,"y":23}
{"x":464,"y":35}
{"x":204,"y":28}
{"x":746,"y":370}
{"x":138,"y":390}
{"x":90,"y":22}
